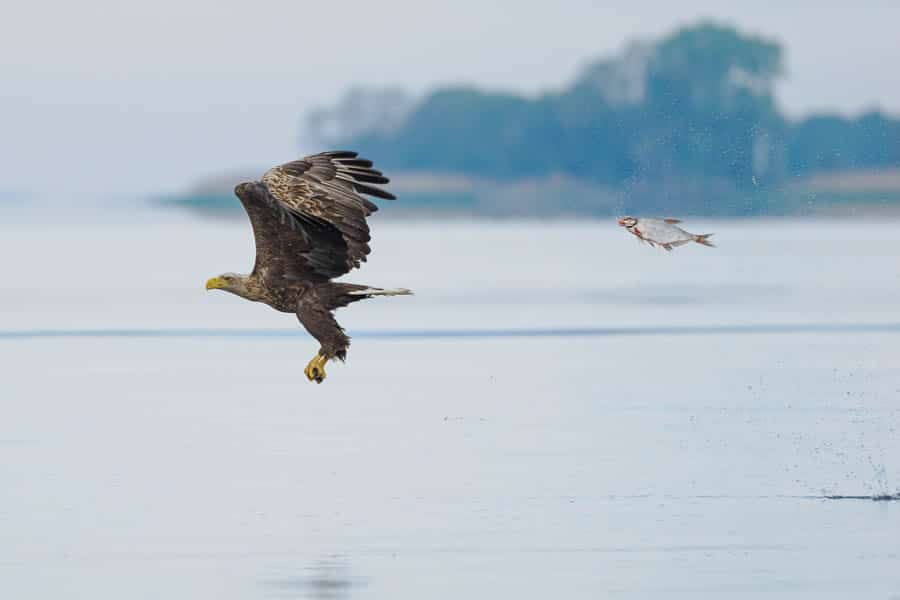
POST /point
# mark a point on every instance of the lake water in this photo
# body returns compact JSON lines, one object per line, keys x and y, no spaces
{"x":559,"y":412}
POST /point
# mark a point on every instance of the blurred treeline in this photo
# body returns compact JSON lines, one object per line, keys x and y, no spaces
{"x":694,"y":115}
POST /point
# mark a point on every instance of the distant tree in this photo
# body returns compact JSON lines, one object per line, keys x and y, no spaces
{"x":709,"y":96}
{"x":360,"y":112}
{"x":698,"y":104}
{"x":708,"y":69}
{"x":828,"y":142}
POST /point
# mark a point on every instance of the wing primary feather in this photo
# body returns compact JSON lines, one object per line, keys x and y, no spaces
{"x":354,"y":162}
{"x":363,"y":177}
{"x":360,"y":170}
{"x":373,"y":191}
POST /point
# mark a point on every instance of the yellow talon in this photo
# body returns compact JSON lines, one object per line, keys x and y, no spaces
{"x":315,"y":370}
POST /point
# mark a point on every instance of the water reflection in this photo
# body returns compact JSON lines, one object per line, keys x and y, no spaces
{"x":873,"y":497}
{"x":327,"y":579}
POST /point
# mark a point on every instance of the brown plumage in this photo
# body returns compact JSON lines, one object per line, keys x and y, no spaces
{"x":309,"y":225}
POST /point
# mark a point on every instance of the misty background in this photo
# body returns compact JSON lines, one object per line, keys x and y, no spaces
{"x":104,"y":101}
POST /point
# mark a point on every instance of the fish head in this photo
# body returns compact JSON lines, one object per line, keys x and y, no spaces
{"x":627,"y":222}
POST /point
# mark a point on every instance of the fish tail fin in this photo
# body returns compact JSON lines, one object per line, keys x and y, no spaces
{"x":703,"y":238}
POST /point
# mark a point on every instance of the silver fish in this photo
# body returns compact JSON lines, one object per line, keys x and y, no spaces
{"x":662,"y":232}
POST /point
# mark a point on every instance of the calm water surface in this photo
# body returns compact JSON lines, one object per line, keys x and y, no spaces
{"x":680,"y":445}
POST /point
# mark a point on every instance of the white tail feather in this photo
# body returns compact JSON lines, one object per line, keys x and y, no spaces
{"x":380,"y":292}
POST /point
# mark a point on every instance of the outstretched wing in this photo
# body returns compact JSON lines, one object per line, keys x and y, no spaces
{"x":326,"y":189}
{"x":290,"y":247}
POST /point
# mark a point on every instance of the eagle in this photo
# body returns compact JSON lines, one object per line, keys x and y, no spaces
{"x":309,"y":226}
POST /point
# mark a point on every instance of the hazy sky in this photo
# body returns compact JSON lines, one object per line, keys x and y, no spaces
{"x":111,"y":99}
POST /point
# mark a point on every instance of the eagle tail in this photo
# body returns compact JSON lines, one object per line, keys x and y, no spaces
{"x":370,"y":291}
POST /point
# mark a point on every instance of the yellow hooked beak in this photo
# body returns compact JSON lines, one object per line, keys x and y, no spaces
{"x":216,"y":283}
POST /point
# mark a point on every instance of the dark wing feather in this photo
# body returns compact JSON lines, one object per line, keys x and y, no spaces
{"x":320,"y":197}
{"x":329,"y":187}
{"x":290,"y":247}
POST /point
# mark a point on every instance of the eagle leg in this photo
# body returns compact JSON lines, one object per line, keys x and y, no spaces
{"x":315,"y":370}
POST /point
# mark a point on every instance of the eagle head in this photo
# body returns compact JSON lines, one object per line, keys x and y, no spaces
{"x":229,"y":282}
